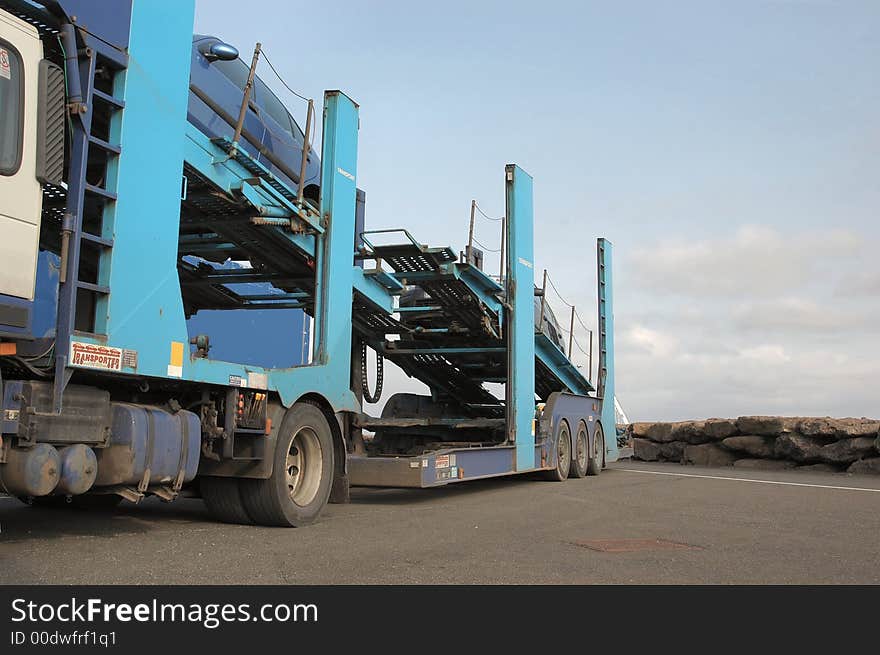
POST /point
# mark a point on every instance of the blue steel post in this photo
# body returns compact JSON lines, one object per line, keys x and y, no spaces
{"x":335,"y":274}
{"x":144,"y":311}
{"x":606,"y":347}
{"x":520,"y":388}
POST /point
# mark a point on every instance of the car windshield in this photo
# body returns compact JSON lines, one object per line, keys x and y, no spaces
{"x":273,"y":106}
{"x":236,"y":71}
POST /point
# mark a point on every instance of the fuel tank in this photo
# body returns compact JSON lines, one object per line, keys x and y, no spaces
{"x":149,"y":446}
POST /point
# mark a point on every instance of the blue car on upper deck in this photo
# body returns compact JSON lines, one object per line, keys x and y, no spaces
{"x":271,"y":135}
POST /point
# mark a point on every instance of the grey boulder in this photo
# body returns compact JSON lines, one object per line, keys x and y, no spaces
{"x":846,"y":451}
{"x":707,"y":454}
{"x":754,"y":445}
{"x":645,"y":450}
{"x":798,"y":448}
{"x":767,"y":426}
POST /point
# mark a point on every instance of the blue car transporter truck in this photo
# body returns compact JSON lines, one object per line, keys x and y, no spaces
{"x":122,"y":221}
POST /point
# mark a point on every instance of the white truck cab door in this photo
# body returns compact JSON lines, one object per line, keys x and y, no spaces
{"x":20,"y":192}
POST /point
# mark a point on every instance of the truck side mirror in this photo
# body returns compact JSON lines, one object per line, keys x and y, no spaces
{"x":51,"y":100}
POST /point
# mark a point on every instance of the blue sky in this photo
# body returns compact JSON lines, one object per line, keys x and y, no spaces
{"x":730,"y":150}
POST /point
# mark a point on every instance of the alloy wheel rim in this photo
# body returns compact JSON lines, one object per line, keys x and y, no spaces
{"x":304,"y":466}
{"x":563,"y":449}
{"x":582,"y":450}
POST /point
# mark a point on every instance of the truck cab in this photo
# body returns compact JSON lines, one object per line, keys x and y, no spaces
{"x":20,"y":55}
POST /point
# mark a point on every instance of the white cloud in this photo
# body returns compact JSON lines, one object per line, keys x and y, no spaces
{"x":861,"y":283}
{"x":650,"y":341}
{"x":755,"y":260}
{"x":767,"y":354}
{"x":795,"y":315}
{"x":750,"y":323}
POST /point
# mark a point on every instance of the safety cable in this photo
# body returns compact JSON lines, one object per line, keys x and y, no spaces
{"x":280,"y":79}
{"x":484,"y":247}
{"x":574,"y":338}
{"x":567,"y":304}
{"x":298,"y":95}
{"x":485,"y":215}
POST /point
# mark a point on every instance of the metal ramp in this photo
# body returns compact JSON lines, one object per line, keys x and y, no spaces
{"x":218,"y":225}
{"x":451,"y":328}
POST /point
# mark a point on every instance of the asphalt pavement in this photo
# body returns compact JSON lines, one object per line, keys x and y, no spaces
{"x":635,"y":523}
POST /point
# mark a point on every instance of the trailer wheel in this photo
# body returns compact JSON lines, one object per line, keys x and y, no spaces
{"x":222,"y":497}
{"x":597,"y":455}
{"x":563,"y":453}
{"x":302,"y":474}
{"x":581,"y":455}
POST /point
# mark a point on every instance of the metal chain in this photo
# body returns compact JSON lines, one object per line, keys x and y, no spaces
{"x":380,"y":376}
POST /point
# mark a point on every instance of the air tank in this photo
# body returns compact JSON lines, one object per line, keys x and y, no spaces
{"x":79,"y":466}
{"x":31,"y":471}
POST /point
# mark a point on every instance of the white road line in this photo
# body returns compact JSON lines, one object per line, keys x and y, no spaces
{"x":784,"y":484}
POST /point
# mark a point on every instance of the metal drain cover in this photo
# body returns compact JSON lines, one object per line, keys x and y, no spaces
{"x":632,"y":545}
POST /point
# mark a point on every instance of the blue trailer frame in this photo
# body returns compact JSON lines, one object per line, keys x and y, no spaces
{"x":138,"y":332}
{"x":531,"y":432}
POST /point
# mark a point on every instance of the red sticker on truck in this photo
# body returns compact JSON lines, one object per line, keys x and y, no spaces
{"x":94,"y":356}
{"x":5,"y":71}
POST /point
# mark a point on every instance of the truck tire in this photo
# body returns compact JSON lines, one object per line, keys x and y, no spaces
{"x":222,"y":497}
{"x":581,"y":455}
{"x":597,"y":454}
{"x":302,"y":473}
{"x":563,"y":453}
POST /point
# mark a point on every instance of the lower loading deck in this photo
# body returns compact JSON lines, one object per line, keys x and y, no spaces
{"x":564,"y":421}
{"x":441,"y":467}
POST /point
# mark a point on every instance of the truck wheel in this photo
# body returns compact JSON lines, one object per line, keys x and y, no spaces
{"x":302,"y":473}
{"x":223,"y":499}
{"x":581,"y":454}
{"x":597,"y":455}
{"x":563,"y":454}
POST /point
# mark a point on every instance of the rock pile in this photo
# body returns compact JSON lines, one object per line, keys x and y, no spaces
{"x":763,"y":442}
